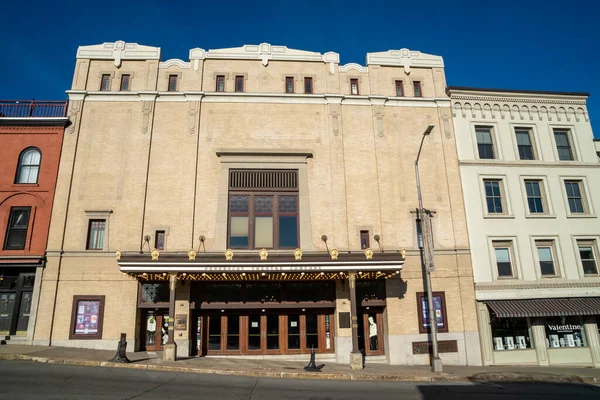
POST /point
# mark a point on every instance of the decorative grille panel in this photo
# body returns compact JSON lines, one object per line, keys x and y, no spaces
{"x":250,"y":179}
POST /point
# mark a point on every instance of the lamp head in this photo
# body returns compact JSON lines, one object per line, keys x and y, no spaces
{"x":428,"y":130}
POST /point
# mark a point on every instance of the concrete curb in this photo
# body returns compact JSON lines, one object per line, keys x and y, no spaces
{"x":443,"y":377}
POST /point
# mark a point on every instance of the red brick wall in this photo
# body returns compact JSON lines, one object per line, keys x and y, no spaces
{"x":39,"y":196}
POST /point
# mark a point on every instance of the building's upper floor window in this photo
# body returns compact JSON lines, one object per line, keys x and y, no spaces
{"x":399,"y":89}
{"x":545,"y":250}
{"x":308,"y":85}
{"x":485,"y":143}
{"x":159,"y":240}
{"x":587,"y":255}
{"x":125,"y":82}
{"x":524,"y":144}
{"x":105,"y":82}
{"x":417,"y":89}
{"x":563,"y":144}
{"x":354,"y":86}
{"x":535,"y":196}
{"x":263,"y":209}
{"x":575,"y":198}
{"x":493,"y":196}
{"x":172,"y":83}
{"x":220,"y":83}
{"x":239,"y":83}
{"x":95,"y":237}
{"x":16,"y":231}
{"x":289,"y":84}
{"x":364,"y":240}
{"x":504,"y":256}
{"x":29,"y":166}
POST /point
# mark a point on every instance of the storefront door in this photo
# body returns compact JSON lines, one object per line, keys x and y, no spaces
{"x":156,"y":329}
{"x":370,"y":331}
{"x":7,"y":307}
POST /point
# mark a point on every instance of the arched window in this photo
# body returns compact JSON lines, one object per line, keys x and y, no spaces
{"x":29,"y":165}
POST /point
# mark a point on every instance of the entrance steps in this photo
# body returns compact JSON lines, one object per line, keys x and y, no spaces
{"x":15,"y":340}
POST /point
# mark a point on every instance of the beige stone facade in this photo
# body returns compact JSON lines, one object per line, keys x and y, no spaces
{"x":148,"y":159}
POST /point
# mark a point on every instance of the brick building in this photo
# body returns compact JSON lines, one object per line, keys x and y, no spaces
{"x":31,"y":134}
{"x":260,"y":201}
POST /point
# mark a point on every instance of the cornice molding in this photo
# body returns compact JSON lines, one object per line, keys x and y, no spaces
{"x":529,"y":286}
{"x":405,"y":58}
{"x":530,"y":164}
{"x":118,"y":51}
{"x":174,"y":62}
{"x":353,"y":67}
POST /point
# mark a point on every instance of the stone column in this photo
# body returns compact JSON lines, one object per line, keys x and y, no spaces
{"x":593,"y":341}
{"x":539,"y":340}
{"x":485,"y":333}
{"x":170,"y":351}
{"x":356,"y":358}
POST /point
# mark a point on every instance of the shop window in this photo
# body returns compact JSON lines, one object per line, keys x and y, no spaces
{"x":95,"y":239}
{"x":511,"y":334}
{"x":220,"y":83}
{"x":289,"y":84}
{"x":16,"y":232}
{"x":439,"y":305}
{"x":28,"y":168}
{"x":268,"y":219}
{"x":87,"y":317}
{"x":154,"y":292}
{"x":564,"y":332}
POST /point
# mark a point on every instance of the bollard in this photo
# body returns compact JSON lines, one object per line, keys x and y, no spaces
{"x":312,"y":366}
{"x":121,"y":355}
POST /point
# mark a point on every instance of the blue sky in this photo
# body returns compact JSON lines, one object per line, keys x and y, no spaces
{"x":525,"y":44}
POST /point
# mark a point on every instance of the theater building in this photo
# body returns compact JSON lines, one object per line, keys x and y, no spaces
{"x":31,"y":135}
{"x":531,"y":179}
{"x":257,"y":201}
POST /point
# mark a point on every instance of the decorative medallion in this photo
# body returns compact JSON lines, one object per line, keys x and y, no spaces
{"x":229,"y":254}
{"x":369,"y":254}
{"x":118,"y":255}
{"x":191,"y":255}
{"x":263,"y":254}
{"x":154,"y":255}
{"x":403,"y":253}
{"x":298,"y":254}
{"x":334,"y":254}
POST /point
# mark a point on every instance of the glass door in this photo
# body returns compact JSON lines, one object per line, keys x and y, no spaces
{"x":254,"y":336}
{"x":214,"y":333}
{"x":24,"y":310}
{"x":294,"y":332}
{"x":233,"y":333}
{"x":7,"y":305}
{"x":312,"y":332}
{"x":370,"y":332}
{"x":272,"y":332}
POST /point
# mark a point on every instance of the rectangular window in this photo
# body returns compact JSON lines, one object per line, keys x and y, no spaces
{"x":485,"y":144}
{"x":16,"y":232}
{"x":239,"y":83}
{"x":563,"y":144}
{"x":535,"y":199}
{"x":220,"y":83}
{"x":493,"y":196}
{"x":159,"y":240}
{"x":125,"y":79}
{"x":574,"y":197}
{"x":399,"y":89}
{"x":172,"y":83}
{"x":96,"y":234}
{"x":308,"y":85}
{"x":587,"y":255}
{"x":289,"y":84}
{"x":263,"y":209}
{"x":354,"y":86}
{"x":511,"y":334}
{"x":87,"y":317}
{"x":524,"y":144}
{"x":545,"y":251}
{"x":364,"y":240}
{"x":417,"y":87}
{"x":503,"y":253}
{"x":564,"y":332}
{"x":105,"y":82}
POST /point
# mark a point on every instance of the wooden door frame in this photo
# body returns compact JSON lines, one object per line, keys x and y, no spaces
{"x":367,"y":339}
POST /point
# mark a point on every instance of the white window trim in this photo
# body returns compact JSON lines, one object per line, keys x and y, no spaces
{"x":516,"y":258}
{"x":595,"y":248}
{"x":556,"y":256}
{"x":152,"y":234}
{"x":572,"y":141}
{"x":505,"y":197}
{"x":495,"y":142}
{"x":534,"y":142}
{"x":585,"y":196}
{"x":97,"y":214}
{"x":548,"y":210}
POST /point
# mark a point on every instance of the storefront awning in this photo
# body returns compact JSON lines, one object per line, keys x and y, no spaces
{"x":545,"y":307}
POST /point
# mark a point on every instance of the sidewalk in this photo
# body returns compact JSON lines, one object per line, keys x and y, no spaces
{"x":294,"y":369}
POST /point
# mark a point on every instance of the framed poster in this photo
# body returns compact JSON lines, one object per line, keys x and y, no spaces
{"x":439,"y":306}
{"x":87,"y":317}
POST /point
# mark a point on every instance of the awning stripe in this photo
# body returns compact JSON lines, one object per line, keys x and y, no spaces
{"x":545,"y":307}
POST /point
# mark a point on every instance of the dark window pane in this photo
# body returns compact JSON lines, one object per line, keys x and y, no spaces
{"x":239,"y":83}
{"x":370,"y":290}
{"x":222,"y":293}
{"x":238,"y":204}
{"x":233,"y":332}
{"x":504,"y":269}
{"x":263,"y":292}
{"x":312,"y":331}
{"x":254,"y":332}
{"x":125,"y":82}
{"x":155,"y":292}
{"x":589,"y":267}
{"x":263,"y":204}
{"x":288,"y":231}
{"x":288,"y":204}
{"x":399,"y":89}
{"x":293,"y":332}
{"x":289,"y":85}
{"x":308,"y":85}
{"x":547,"y":268}
{"x":272,"y":332}
{"x":417,"y":86}
{"x":16,"y":239}
{"x":214,"y":332}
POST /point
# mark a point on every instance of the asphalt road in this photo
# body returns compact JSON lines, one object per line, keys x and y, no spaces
{"x":28,"y":380}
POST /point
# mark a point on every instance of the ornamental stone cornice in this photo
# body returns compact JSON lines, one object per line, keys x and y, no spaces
{"x":537,"y":285}
{"x":529,"y":164}
{"x":502,"y":99}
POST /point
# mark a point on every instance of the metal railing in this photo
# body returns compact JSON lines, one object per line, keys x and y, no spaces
{"x":33,"y":109}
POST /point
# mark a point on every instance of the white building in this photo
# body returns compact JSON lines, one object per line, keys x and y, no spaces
{"x":531,"y":182}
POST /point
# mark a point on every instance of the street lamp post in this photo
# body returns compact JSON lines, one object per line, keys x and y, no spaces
{"x":436,"y":363}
